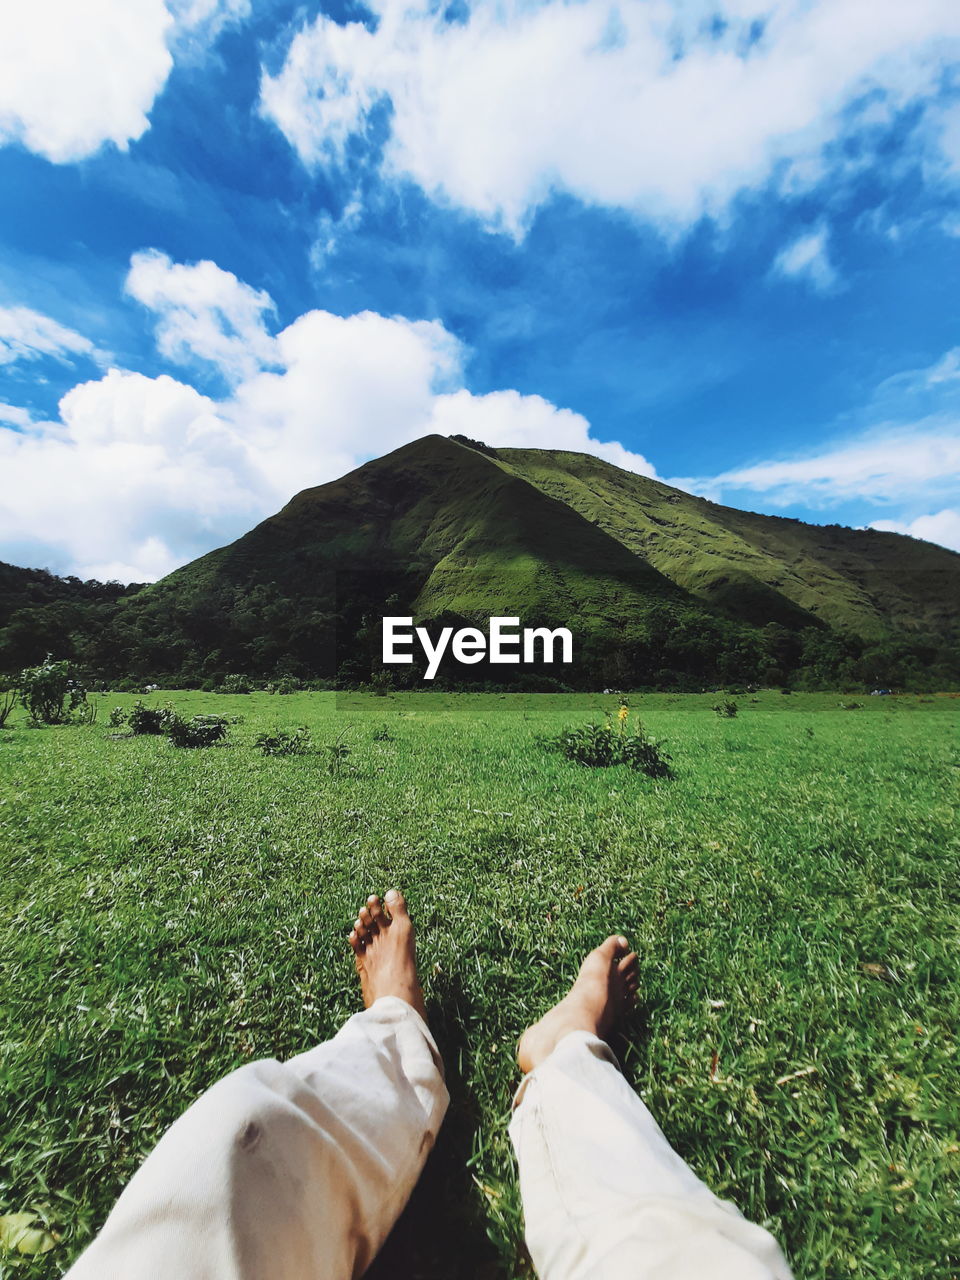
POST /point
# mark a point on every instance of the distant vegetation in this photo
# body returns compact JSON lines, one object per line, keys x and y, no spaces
{"x":199,"y":638}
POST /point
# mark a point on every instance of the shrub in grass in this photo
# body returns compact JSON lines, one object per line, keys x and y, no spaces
{"x":382,"y":734}
{"x":199,"y":731}
{"x":52,"y":692}
{"x":599,"y":746}
{"x":283,"y":742}
{"x":143,"y":719}
{"x":381,"y":683}
{"x":338,"y":758}
{"x":235,"y":684}
{"x":726,"y":710}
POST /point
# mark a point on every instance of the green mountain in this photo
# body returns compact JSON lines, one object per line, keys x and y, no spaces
{"x":657,"y":586}
{"x":455,"y":531}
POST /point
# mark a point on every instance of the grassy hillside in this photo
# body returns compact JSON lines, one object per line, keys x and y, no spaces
{"x":441,"y":531}
{"x":761,"y":568}
{"x":461,"y":532}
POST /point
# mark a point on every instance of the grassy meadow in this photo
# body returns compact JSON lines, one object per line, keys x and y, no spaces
{"x":793,"y":891}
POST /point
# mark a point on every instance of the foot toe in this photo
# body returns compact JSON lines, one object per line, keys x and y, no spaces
{"x":396,"y":903}
{"x":611,"y":948}
{"x":368,"y":921}
{"x":377,"y":913}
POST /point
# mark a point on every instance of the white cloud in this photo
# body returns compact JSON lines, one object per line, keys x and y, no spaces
{"x":208,"y":17}
{"x":946,"y":369}
{"x":641,"y":104}
{"x":14,"y":416}
{"x":808,"y":259}
{"x":942,"y":528}
{"x":892,"y":465}
{"x":205,"y":312}
{"x":330,"y":231}
{"x":905,"y":456}
{"x":349,"y":388}
{"x":514,"y":421}
{"x":141,"y":470}
{"x":142,"y":474}
{"x":29,"y":335}
{"x":74,"y":76}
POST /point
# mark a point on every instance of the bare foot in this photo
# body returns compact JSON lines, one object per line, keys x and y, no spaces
{"x":383,"y":948}
{"x":605,"y":987}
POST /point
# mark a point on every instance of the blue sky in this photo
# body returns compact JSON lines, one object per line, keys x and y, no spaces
{"x":247,"y":245}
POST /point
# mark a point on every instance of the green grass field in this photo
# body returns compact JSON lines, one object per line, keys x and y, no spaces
{"x":169,"y":915}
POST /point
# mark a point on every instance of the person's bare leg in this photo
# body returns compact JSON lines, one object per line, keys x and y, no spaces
{"x":605,"y":988}
{"x":384,"y":951}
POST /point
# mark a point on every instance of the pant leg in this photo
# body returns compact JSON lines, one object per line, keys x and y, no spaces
{"x":604,"y":1194}
{"x":285,"y":1171}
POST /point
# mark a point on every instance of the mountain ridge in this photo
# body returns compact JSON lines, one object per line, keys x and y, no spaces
{"x":660,"y":586}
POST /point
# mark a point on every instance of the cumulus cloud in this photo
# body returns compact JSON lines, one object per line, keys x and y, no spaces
{"x":28,"y":335}
{"x":514,"y":421}
{"x":942,"y":528}
{"x":808,"y":259}
{"x":663,"y":108}
{"x":75,"y":76}
{"x":136,"y":472}
{"x":142,"y":474}
{"x":202,"y":311}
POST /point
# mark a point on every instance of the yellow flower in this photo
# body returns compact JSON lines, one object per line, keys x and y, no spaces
{"x":623,"y":713}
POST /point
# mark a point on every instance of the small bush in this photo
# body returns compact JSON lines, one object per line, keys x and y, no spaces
{"x":726,"y":710}
{"x":51,"y":693}
{"x":117,"y":718}
{"x":599,"y":746}
{"x":285,"y":684}
{"x":200,"y":731}
{"x":382,"y":734}
{"x":235,"y":684}
{"x":850,"y":706}
{"x":338,"y":758}
{"x":143,"y":719}
{"x":381,"y":683}
{"x":283,"y":742}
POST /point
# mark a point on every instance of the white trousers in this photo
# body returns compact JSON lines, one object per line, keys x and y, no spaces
{"x":298,"y":1171}
{"x":285,"y":1171}
{"x":605,"y":1195}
